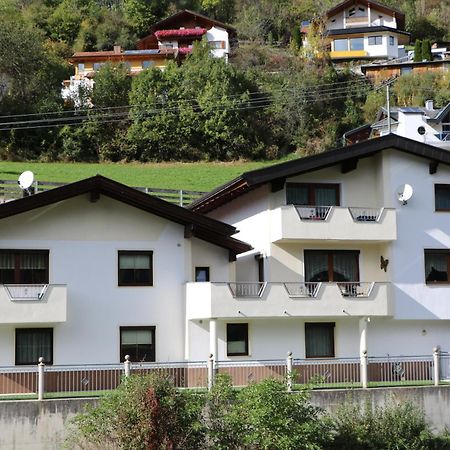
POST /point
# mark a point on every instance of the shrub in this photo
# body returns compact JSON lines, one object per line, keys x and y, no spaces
{"x":144,"y":412}
{"x":392,"y":427}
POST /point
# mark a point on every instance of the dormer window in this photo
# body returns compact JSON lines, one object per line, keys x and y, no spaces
{"x":351,"y":12}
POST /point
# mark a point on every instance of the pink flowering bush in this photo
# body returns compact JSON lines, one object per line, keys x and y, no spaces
{"x":185,"y":32}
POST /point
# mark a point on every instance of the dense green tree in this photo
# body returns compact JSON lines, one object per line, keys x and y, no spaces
{"x":141,"y":14}
{"x":202,"y":109}
{"x":418,"y":51}
{"x":426,"y":50}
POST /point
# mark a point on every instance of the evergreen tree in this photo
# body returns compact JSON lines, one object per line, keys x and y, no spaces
{"x":418,"y":51}
{"x":426,"y":50}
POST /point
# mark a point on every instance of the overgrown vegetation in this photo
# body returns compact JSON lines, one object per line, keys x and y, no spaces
{"x":149,"y":413}
{"x":275,"y":97}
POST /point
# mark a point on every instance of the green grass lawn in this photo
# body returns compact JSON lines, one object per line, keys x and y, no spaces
{"x":200,"y":176}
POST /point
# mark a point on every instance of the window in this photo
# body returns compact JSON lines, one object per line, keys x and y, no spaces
{"x":437,"y":265}
{"x":357,"y":44}
{"x":237,"y":339}
{"x":312,"y":194}
{"x":138,"y":342}
{"x":23,"y":266}
{"x":80,"y":67}
{"x":331,"y":265}
{"x":442,"y":197}
{"x":375,"y":40}
{"x":391,"y":40}
{"x":98,"y":66}
{"x":216,"y":44}
{"x":32,"y":343}
{"x":201,"y":274}
{"x":340,"y":45}
{"x":405,"y":70}
{"x":319,"y":340}
{"x":147,"y":64}
{"x":135,"y":268}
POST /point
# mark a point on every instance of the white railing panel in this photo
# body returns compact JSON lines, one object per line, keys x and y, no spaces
{"x":247,"y":290}
{"x":302,"y":290}
{"x":356,"y":289}
{"x":26,"y":291}
{"x":313,"y":212}
{"x":365,"y":214}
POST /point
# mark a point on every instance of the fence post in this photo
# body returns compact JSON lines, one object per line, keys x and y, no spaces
{"x":41,"y":367}
{"x":210,"y":371}
{"x":289,"y":371}
{"x":181,"y":197}
{"x":364,"y":369}
{"x":127,"y":366}
{"x":436,"y":361}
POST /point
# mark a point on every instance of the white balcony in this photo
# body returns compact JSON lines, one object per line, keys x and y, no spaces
{"x":335,"y":223}
{"x":33,"y":303}
{"x":252,"y":300}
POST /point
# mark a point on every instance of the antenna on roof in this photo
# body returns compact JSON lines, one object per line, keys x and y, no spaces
{"x":25,"y":181}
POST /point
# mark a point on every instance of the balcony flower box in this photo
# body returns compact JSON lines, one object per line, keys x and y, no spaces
{"x":184,"y":32}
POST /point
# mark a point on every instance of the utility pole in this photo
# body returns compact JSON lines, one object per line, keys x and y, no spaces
{"x":388,"y":106}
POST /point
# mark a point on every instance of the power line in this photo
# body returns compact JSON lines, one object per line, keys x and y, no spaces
{"x":116,"y":118}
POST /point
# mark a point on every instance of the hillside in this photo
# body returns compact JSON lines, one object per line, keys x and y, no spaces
{"x":273,"y":99}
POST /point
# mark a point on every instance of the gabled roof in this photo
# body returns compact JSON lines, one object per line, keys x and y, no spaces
{"x":186,"y":13}
{"x":202,"y":227}
{"x":277,"y":174}
{"x":375,"y":5}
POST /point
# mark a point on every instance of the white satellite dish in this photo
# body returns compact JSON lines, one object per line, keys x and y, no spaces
{"x":404,"y":193}
{"x":26,"y":179}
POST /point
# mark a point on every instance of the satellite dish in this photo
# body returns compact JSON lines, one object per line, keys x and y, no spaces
{"x":25,"y":182}
{"x":404,"y":193}
{"x":26,"y":179}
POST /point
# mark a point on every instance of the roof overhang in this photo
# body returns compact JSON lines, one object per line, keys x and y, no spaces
{"x":277,"y":174}
{"x":202,"y":227}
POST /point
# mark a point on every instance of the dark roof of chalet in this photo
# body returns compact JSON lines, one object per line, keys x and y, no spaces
{"x":277,"y":173}
{"x":202,"y":227}
{"x":378,"y":6}
{"x":360,"y":30}
{"x":186,"y":12}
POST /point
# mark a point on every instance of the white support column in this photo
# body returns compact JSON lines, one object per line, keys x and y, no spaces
{"x":41,"y":374}
{"x":436,"y":351}
{"x":213,"y":338}
{"x":363,"y":349}
{"x":369,"y":18}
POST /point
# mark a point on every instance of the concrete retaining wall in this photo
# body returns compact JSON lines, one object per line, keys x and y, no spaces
{"x":42,"y":425}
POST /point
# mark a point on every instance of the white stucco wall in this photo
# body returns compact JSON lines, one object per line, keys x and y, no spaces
{"x":83,"y":239}
{"x":218,"y":34}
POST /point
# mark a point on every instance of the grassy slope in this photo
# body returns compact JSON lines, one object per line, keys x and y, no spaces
{"x":199,"y":176}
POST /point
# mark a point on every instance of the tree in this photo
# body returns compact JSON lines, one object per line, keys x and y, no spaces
{"x":201,"y":109}
{"x":418,"y":51}
{"x":141,"y":14}
{"x":426,"y":50}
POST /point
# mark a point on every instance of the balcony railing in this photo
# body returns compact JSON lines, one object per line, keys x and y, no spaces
{"x":313,"y":212}
{"x":366,"y":214}
{"x":249,"y":290}
{"x":281,"y":299}
{"x":356,"y":289}
{"x":26,"y":291}
{"x":302,"y":290}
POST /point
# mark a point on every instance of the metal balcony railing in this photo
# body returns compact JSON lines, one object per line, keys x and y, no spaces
{"x":17,"y":292}
{"x":356,"y":289}
{"x":302,"y":290}
{"x":313,"y":212}
{"x":366,"y":214}
{"x":247,"y":290}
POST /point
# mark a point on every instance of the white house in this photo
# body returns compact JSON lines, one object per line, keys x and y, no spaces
{"x":95,"y":270}
{"x":365,"y":29}
{"x":342,"y":263}
{"x":424,"y":124}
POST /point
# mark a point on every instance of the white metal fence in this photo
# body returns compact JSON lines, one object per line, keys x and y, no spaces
{"x":57,"y":380}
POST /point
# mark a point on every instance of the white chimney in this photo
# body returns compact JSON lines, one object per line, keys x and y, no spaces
{"x":429,"y":104}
